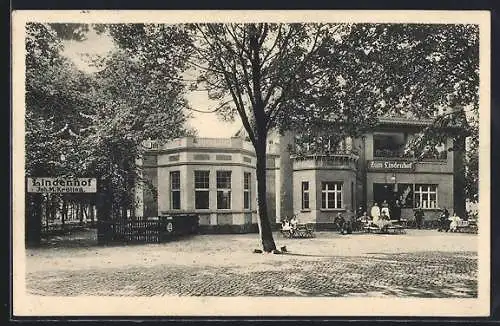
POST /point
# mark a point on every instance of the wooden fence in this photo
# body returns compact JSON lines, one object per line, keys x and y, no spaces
{"x":146,"y":231}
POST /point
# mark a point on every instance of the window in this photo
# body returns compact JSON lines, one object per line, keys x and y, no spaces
{"x":223,"y":189}
{"x":331,"y":195}
{"x":175,"y":190}
{"x":426,"y":196}
{"x":247,"y":177}
{"x":201,"y":189}
{"x":305,"y":194}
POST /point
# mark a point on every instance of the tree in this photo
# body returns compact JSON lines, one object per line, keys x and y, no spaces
{"x":97,"y":121}
{"x":472,"y":164}
{"x":311,"y":77}
{"x":55,"y":92}
{"x":256,"y":71}
{"x":137,"y":98}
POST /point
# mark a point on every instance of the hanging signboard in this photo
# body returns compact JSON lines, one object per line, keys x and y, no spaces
{"x":396,"y":166}
{"x":62,"y":185}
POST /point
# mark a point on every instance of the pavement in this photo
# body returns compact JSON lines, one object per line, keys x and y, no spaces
{"x":421,"y":263}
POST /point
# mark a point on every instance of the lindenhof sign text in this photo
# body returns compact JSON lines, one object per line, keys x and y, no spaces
{"x":391,"y":166}
{"x":62,"y":185}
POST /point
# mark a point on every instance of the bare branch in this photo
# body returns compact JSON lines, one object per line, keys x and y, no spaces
{"x":218,"y":108}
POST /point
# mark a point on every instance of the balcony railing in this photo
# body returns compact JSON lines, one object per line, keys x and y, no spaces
{"x":333,"y":156}
{"x":428,"y":155}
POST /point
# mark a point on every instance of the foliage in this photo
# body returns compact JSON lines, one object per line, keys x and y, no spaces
{"x":401,"y":70}
{"x":84,"y":124}
{"x":55,"y":92}
{"x":331,"y":81}
{"x":261,"y":72}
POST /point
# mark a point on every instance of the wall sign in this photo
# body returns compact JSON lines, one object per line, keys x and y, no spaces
{"x":62,"y":185}
{"x":391,"y":166}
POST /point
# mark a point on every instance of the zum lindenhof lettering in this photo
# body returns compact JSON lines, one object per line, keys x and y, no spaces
{"x":391,"y":165}
{"x":62,"y":185}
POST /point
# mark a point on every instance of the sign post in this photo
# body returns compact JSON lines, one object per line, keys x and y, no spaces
{"x":62,"y":185}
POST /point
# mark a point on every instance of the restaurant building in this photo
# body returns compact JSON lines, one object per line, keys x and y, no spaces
{"x":216,"y":178}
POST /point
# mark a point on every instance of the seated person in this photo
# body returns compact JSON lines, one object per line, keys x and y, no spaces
{"x":384,"y":221}
{"x":385,"y":209}
{"x":454,"y":219}
{"x":344,"y":224}
{"x":365,"y":219}
{"x":293,"y":222}
{"x":285,"y":225}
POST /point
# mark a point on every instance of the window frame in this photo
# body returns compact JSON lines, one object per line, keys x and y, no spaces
{"x":306,"y":198}
{"x":223,"y":190}
{"x":199,"y":190}
{"x":247,"y":190}
{"x":176,"y":190}
{"x":325,"y":191}
{"x":431,"y":189}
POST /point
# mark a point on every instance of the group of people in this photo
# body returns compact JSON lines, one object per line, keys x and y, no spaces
{"x":383,"y":216}
{"x":289,"y":224}
{"x":380,"y":216}
{"x":447,"y":222}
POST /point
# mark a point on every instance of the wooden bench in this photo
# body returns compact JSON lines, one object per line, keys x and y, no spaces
{"x":301,"y":231}
{"x":467,"y":226}
{"x":391,"y":228}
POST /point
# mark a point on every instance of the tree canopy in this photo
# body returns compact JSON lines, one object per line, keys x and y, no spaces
{"x":325,"y":81}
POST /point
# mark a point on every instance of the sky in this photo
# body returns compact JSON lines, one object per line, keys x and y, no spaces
{"x":207,"y":124}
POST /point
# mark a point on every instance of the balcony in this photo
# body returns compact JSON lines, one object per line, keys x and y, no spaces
{"x":200,"y":142}
{"x":345,"y":159}
{"x":426,"y":155}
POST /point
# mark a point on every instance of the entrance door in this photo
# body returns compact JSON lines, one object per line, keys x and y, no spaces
{"x":383,"y":191}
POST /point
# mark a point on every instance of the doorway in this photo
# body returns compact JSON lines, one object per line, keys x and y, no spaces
{"x":383,"y":191}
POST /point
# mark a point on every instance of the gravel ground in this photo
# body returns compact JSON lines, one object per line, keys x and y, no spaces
{"x":421,"y":263}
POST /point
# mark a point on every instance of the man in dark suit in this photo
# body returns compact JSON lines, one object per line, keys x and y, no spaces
{"x":419,"y":216}
{"x":396,"y":210}
{"x":443,"y":220}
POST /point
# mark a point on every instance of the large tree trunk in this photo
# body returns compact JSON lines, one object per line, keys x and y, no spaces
{"x":104,"y":202}
{"x":33,"y":216}
{"x":266,"y":234}
{"x":104,"y":211}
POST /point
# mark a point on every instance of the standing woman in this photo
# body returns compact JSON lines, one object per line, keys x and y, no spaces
{"x":375,"y":213}
{"x":396,"y":211}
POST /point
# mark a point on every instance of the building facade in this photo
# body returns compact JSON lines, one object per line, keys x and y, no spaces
{"x":216,"y":178}
{"x":213,"y":177}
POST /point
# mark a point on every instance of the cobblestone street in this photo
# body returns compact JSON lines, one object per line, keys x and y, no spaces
{"x":421,"y":263}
